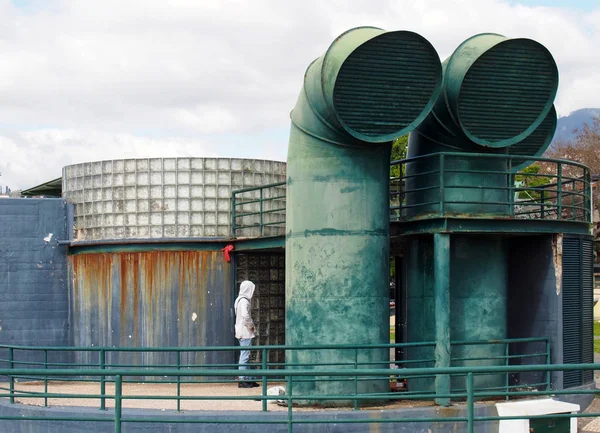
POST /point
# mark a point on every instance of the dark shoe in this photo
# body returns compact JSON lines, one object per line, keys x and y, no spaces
{"x":244,"y":385}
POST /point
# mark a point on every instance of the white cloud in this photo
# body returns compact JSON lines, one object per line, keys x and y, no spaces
{"x":81,"y":79}
{"x":41,"y":154}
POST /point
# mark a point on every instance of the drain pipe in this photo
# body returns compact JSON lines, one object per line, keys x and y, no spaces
{"x":369,"y":88}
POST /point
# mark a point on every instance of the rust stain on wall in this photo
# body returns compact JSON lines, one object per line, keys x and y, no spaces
{"x":147,"y":298}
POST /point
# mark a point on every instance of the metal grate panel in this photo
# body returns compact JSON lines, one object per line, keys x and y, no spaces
{"x":536,"y":143}
{"x":507,"y":89}
{"x":267,"y":272}
{"x":577,"y":293}
{"x":386,"y":83}
{"x":587,"y":311}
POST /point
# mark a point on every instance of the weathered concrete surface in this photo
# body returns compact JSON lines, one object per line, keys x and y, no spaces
{"x":33,"y":275}
{"x":240,"y":421}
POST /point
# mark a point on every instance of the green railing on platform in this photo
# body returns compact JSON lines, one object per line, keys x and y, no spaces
{"x":104,"y":372}
{"x":475,"y":185}
{"x":292,"y":375}
{"x":560,"y":190}
{"x":258,"y":211}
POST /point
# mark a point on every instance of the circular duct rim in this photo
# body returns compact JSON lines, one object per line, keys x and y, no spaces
{"x":387,"y":86}
{"x":507,"y":92}
{"x":538,"y":142}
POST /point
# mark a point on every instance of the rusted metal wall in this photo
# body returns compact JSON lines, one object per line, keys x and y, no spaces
{"x":152,"y":299}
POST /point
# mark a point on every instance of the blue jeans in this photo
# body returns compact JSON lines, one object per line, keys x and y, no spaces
{"x":244,"y":356}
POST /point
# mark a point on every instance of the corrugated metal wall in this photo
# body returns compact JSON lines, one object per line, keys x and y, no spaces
{"x":152,"y":299}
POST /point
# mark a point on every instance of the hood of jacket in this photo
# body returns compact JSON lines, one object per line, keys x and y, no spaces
{"x":246,"y":290}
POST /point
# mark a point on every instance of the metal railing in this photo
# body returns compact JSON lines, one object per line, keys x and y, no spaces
{"x":258,"y":211}
{"x":447,"y":184}
{"x":470,"y":394}
{"x":19,"y":365}
{"x":473,"y":185}
{"x":506,"y":352}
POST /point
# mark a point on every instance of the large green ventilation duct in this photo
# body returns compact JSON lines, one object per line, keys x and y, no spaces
{"x":370,"y":87}
{"x":496,"y":92}
{"x":497,"y":97}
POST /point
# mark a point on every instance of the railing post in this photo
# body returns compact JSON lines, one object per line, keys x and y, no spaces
{"x":511,"y":189}
{"x":264,"y":379}
{"x":178,"y":382}
{"x":289,"y":400}
{"x":573,"y":197}
{"x":355,"y":378}
{"x":11,"y":379}
{"x":506,"y":355}
{"x":548,"y":361}
{"x":559,"y":184}
{"x":118,"y":402}
{"x":441,"y":278}
{"x":470,"y":403}
{"x":543,"y":203}
{"x":102,"y":380}
{"x":590,"y":197}
{"x":442,"y":186}
{"x":261,"y":212}
{"x":233,"y":229}
{"x":45,"y":378}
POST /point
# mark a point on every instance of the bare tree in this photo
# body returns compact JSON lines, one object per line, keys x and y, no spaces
{"x":583,"y":148}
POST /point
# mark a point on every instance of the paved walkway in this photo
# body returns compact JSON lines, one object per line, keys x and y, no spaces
{"x":209,"y":392}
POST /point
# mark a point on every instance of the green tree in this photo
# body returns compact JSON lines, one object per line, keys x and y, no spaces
{"x":532,"y":178}
{"x":399,"y":149}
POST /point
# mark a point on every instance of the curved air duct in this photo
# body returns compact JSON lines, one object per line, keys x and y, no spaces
{"x":497,"y":97}
{"x":369,"y":88}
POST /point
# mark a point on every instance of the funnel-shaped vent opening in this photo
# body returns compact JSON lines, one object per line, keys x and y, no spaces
{"x":507,"y":92}
{"x":535,"y":144}
{"x":387,"y":86}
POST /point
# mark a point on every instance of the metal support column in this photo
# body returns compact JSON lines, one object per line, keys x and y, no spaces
{"x":441,"y":255}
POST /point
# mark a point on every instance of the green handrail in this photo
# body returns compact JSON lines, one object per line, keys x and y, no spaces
{"x":470,"y":393}
{"x":558,"y":195}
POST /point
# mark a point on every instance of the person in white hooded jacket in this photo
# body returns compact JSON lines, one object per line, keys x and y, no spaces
{"x":244,"y":329}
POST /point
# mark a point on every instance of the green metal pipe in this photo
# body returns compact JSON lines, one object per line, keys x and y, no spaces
{"x":370,"y":87}
{"x":305,"y":372}
{"x":441,"y":251}
{"x":496,"y":92}
{"x":497,"y":98}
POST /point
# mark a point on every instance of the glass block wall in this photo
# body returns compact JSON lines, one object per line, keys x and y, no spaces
{"x":160,"y":197}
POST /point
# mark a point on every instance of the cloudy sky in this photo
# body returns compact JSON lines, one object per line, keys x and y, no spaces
{"x":84,"y":80}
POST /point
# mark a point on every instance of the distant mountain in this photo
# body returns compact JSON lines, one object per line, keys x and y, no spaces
{"x":566,"y":124}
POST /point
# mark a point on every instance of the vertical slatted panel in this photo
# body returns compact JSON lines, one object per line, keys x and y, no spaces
{"x":571,"y":309}
{"x":587,"y":317}
{"x":578,"y":303}
{"x":506,"y":89}
{"x":386,"y":83}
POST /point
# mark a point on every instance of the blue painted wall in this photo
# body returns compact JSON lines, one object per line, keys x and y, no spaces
{"x":33,"y":276}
